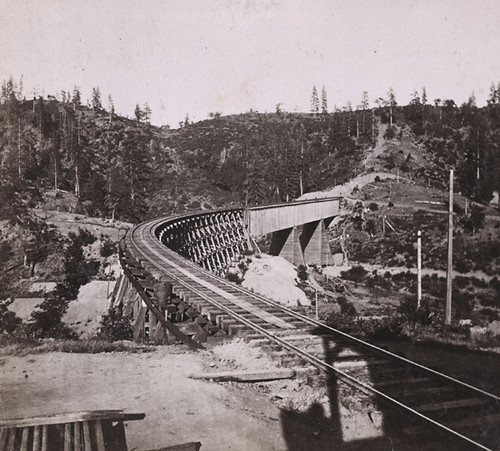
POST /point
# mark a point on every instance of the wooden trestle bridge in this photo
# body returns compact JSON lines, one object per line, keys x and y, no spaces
{"x":172,"y":282}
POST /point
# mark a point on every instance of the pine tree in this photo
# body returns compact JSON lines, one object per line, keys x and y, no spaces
{"x":324,"y":104}
{"x":147,"y":113}
{"x":364,"y":106}
{"x":314,"y":101}
{"x":424,"y":96}
{"x":111,"y":108}
{"x":77,"y":97}
{"x":138,"y":113}
{"x":96,"y":99}
{"x":392,"y":103}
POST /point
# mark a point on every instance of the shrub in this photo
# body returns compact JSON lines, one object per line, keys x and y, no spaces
{"x":488,"y":299}
{"x":234,"y":277}
{"x":302,"y":273}
{"x":490,"y":313}
{"x":346,"y":307}
{"x":8,"y":320}
{"x":412,"y":314}
{"x":114,"y":326}
{"x":47,"y":321}
{"x":389,"y":133}
{"x":108,"y":248}
{"x":462,"y":265}
{"x":479,"y":283}
{"x":365,"y":328}
{"x":371,"y":227}
{"x":382,"y":329}
{"x":461,"y":282}
{"x":356,"y":274}
{"x":462,"y":303}
{"x":373,"y":206}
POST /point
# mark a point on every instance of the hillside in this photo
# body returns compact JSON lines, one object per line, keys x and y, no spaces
{"x":85,"y":160}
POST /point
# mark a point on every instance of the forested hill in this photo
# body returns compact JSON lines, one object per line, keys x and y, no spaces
{"x":128,"y":169}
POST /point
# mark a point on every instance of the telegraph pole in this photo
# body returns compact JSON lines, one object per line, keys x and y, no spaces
{"x":449,"y":274}
{"x":317,"y":306}
{"x":419,"y":268}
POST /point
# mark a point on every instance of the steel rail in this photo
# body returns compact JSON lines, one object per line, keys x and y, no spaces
{"x":145,"y":240}
{"x":385,"y":352}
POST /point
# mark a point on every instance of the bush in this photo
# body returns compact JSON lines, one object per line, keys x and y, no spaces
{"x":461,"y":282}
{"x":373,"y":206}
{"x":8,"y":320}
{"x":389,"y":133}
{"x":114,"y":326}
{"x":490,"y":313}
{"x":364,"y":328}
{"x":462,"y":303}
{"x":346,"y":307}
{"x":302,"y":273}
{"x":47,"y":321}
{"x":462,"y":265}
{"x":234,"y":277}
{"x":356,"y":274}
{"x":412,"y":314}
{"x":108,"y":248}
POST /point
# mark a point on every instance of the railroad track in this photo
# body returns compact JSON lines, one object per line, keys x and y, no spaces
{"x":465,"y":415}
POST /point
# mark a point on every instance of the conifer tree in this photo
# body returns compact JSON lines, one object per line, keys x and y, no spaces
{"x":77,"y":97}
{"x":392,"y":103}
{"x":364,"y":106}
{"x":324,"y":103}
{"x":138,"y":113}
{"x":314,"y":101}
{"x":147,"y":113}
{"x":96,"y":99}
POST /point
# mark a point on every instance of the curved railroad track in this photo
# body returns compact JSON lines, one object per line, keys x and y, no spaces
{"x":466,"y":415}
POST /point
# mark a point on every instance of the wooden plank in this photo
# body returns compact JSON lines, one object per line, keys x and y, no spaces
{"x":99,"y":435}
{"x":67,"y":437}
{"x":71,"y":417}
{"x":246,"y":376}
{"x":78,"y":438}
{"x":4,"y":432}
{"x":446,"y":405}
{"x":24,"y":439}
{"x":12,"y":440}
{"x":475,"y":421}
{"x":404,"y":381}
{"x":167,"y":324}
{"x":191,"y":446}
{"x":139,"y":323}
{"x":87,"y":443}
{"x":37,"y":438}
{"x":45,"y":438}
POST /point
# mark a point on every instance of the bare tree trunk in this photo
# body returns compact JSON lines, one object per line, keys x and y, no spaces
{"x":77,"y":182}
{"x":19,"y":148}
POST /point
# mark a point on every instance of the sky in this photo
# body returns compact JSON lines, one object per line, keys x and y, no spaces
{"x":195,"y":57}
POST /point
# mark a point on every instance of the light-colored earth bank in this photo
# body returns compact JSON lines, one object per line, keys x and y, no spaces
{"x":284,"y":414}
{"x":178,"y":409}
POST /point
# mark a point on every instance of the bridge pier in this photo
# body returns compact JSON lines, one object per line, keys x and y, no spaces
{"x":314,"y":242}
{"x":310,"y":246}
{"x":286,"y":243}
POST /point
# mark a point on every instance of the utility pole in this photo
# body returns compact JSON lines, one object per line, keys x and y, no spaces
{"x":317,"y":306}
{"x":449,"y":274}
{"x":419,"y":268}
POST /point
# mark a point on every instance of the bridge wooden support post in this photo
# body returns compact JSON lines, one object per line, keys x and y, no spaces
{"x":286,"y":244}
{"x":314,"y":242}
